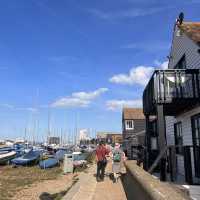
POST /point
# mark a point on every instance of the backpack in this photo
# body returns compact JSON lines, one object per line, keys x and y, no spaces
{"x":116,"y":156}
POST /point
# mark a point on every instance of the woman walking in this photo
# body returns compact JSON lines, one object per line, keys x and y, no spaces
{"x":118,"y":158}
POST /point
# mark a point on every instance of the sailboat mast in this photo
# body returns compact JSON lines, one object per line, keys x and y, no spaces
{"x":49,"y":128}
{"x":76,"y":128}
{"x":25,"y":134}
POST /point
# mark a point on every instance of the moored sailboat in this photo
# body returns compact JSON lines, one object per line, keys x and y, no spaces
{"x":7,"y":156}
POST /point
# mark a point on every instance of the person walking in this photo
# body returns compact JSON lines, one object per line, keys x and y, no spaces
{"x":101,"y":153}
{"x":118,"y":156}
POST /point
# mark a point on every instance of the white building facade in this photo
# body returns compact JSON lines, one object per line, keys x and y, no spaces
{"x":185,"y":54}
{"x":172,"y":97}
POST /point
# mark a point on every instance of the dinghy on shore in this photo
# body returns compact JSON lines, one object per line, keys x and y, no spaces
{"x":31,"y":157}
{"x":48,"y":163}
{"x":8,"y":149}
{"x":7,"y":156}
{"x":79,"y":163}
{"x":60,"y":154}
{"x":79,"y":159}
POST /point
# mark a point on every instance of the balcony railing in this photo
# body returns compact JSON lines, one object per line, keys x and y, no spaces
{"x":174,"y":87}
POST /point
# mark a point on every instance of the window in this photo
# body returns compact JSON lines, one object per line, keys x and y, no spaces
{"x":154,"y":143}
{"x":178,"y":137}
{"x":196,"y":142}
{"x":181,"y":63}
{"x":196,"y":129}
{"x":129,"y":125}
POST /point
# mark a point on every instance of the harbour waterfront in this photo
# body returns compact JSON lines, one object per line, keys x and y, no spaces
{"x":100,"y":100}
{"x":22,"y":178}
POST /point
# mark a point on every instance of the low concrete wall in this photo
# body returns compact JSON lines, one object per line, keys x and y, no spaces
{"x":140,"y":185}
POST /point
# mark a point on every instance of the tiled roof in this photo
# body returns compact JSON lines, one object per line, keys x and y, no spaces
{"x":133,"y":113}
{"x":192,"y":30}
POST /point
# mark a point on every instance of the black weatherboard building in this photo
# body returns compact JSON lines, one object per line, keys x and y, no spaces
{"x":133,"y":126}
{"x":172,"y":96}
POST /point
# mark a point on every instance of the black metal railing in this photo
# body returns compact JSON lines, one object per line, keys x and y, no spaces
{"x":169,"y":86}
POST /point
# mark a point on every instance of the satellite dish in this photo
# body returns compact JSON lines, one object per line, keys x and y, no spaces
{"x":180,"y":18}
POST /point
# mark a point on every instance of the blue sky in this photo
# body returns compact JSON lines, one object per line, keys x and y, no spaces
{"x":82,"y":59}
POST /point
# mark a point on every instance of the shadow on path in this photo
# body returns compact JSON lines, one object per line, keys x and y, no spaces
{"x":56,"y":196}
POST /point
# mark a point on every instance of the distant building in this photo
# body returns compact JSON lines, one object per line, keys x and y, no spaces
{"x":101,"y":136}
{"x":109,"y":137}
{"x":54,"y":140}
{"x":19,"y":141}
{"x":83,"y":136}
{"x":133,"y":127}
{"x":9,"y":142}
{"x":2,"y":142}
{"x":113,"y":138}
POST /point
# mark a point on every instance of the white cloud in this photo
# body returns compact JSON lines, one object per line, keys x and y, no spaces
{"x":30,"y":109}
{"x":148,"y":46}
{"x":126,"y":13}
{"x":89,"y":95}
{"x":70,"y":102}
{"x":14,"y":108}
{"x":79,"y":99}
{"x":137,"y":75}
{"x":115,"y":105}
{"x":161,"y":65}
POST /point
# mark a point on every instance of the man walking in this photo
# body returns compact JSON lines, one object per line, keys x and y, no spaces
{"x":101,"y":152}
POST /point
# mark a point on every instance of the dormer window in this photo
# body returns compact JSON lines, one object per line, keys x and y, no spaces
{"x":179,"y":33}
{"x":129,"y":124}
{"x":181,"y":63}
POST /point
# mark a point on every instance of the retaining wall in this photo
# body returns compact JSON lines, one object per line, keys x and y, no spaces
{"x":140,"y":185}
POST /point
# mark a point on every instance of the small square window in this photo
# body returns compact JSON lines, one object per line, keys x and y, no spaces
{"x":129,"y":125}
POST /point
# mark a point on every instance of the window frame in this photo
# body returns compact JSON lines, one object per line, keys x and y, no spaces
{"x":129,"y":122}
{"x":196,"y":118}
{"x":196,"y":145}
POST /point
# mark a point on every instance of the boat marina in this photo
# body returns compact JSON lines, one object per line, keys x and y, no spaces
{"x":23,"y":164}
{"x":100,"y":100}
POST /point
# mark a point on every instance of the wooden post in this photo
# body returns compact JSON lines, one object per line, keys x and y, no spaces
{"x":161,"y":140}
{"x":147,"y":143}
{"x":172,"y":163}
{"x":187,"y":164}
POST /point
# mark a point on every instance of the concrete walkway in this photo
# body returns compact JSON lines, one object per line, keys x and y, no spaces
{"x":88,"y":189}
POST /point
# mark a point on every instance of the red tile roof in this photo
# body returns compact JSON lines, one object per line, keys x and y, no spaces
{"x":133,"y":113}
{"x":192,"y":30}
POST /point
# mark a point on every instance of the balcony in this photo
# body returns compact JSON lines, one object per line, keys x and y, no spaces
{"x":176,"y":89}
